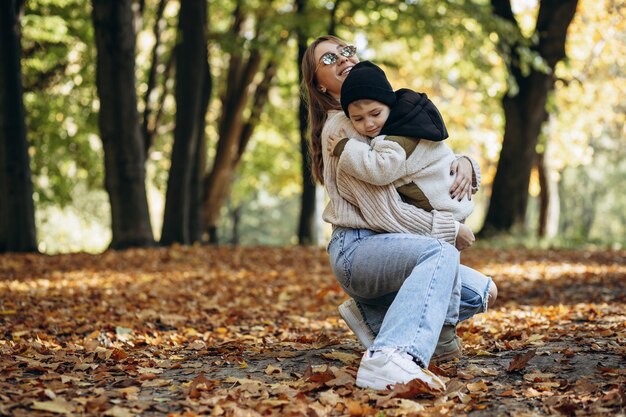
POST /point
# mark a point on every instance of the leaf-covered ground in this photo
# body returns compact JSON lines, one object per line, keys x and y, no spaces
{"x":189,"y":331}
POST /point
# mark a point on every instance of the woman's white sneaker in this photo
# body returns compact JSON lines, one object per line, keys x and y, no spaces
{"x":350,"y":313}
{"x":384,"y":368}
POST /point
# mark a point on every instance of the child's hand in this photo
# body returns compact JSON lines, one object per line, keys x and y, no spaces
{"x":333,"y":139}
{"x":465,"y":238}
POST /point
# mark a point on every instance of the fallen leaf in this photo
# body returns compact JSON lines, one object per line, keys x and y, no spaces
{"x":538,"y":376}
{"x":58,"y":405}
{"x":271,"y":369}
{"x":117,"y":411}
{"x":347,"y":358}
{"x":413,"y":389}
{"x":330,"y":398}
{"x":156,"y":383}
{"x":507,"y":393}
{"x":531,"y":392}
{"x":482,"y":370}
{"x":355,"y":408}
{"x":520,"y":361}
{"x":342,"y":378}
{"x":477,"y":386}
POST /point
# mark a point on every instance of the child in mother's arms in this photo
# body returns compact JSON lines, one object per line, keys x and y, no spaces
{"x":407,"y":146}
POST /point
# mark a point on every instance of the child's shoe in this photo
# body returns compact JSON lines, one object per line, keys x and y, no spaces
{"x":448,"y":345}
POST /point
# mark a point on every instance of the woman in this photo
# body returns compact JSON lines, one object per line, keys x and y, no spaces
{"x":404,"y":277}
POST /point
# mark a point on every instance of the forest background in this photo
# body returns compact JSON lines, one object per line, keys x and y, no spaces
{"x":195,"y":107}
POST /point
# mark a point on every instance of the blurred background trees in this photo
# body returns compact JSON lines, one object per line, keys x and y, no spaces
{"x":193,"y":130}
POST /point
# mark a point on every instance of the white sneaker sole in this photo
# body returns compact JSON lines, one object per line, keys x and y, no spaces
{"x":368,"y":379}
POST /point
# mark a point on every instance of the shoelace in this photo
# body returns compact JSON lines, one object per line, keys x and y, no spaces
{"x":388,"y":353}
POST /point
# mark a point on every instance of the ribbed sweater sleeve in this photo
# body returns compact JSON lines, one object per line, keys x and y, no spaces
{"x":380,"y":163}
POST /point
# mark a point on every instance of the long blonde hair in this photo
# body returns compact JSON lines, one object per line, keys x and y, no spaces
{"x":318,"y":104}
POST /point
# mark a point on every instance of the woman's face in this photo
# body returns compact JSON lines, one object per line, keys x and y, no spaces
{"x":331,"y":76}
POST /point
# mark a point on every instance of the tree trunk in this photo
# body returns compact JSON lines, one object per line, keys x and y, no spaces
{"x":549,"y":202}
{"x":235,"y":132}
{"x":307,"y":231}
{"x":148,"y":129}
{"x":217,"y":183}
{"x":307,"y":226}
{"x":525,"y":113}
{"x":199,"y":164}
{"x":191,"y":80}
{"x":17,"y":212}
{"x":124,"y":153}
{"x":230,"y":148}
{"x":544,"y":195}
{"x":235,"y":215}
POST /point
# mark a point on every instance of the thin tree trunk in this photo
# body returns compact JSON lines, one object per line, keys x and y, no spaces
{"x":549,"y":202}
{"x":235,"y":215}
{"x":222,"y":190}
{"x":17,"y":212}
{"x":332,"y":26}
{"x":230,"y":129}
{"x":167,"y":74}
{"x":544,"y":195}
{"x":199,"y":166}
{"x":148,"y":129}
{"x":191,"y":65}
{"x":235,"y":132}
{"x":219,"y":181}
{"x":525,"y":113}
{"x":124,"y":152}
{"x":307,"y":225}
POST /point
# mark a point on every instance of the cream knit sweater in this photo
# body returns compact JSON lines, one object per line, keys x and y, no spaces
{"x":427,"y":167}
{"x":360,"y":205}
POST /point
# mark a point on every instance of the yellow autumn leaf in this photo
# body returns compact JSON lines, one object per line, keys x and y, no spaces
{"x":271,"y":370}
{"x":477,"y":386}
{"x":58,"y":405}
{"x":347,"y":358}
{"x":117,"y":411}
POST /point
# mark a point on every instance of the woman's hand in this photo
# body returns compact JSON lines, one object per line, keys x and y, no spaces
{"x":462,"y":185}
{"x":465,"y":238}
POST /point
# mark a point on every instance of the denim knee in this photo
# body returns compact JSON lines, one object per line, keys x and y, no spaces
{"x":472,"y":302}
{"x":448,"y":252}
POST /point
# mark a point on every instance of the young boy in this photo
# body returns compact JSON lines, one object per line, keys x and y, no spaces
{"x":407,"y":148}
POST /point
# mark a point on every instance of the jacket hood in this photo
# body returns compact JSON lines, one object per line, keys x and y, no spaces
{"x":416,"y":116}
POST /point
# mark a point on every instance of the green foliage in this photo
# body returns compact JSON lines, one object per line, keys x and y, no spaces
{"x":453,"y":50}
{"x":587,"y":129}
{"x":265,"y":219}
{"x":58,"y":68}
{"x":82,"y":226}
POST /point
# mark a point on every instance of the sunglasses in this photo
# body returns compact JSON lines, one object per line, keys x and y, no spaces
{"x":330,"y":58}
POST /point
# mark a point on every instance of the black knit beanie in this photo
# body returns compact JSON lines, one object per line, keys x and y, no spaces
{"x":366,"y":81}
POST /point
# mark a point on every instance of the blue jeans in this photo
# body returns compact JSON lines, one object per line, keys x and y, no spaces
{"x":407,"y":286}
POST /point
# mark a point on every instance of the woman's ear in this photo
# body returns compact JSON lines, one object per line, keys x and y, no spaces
{"x":323,"y":89}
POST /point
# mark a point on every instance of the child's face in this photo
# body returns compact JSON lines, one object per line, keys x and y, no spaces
{"x":368,"y":116}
